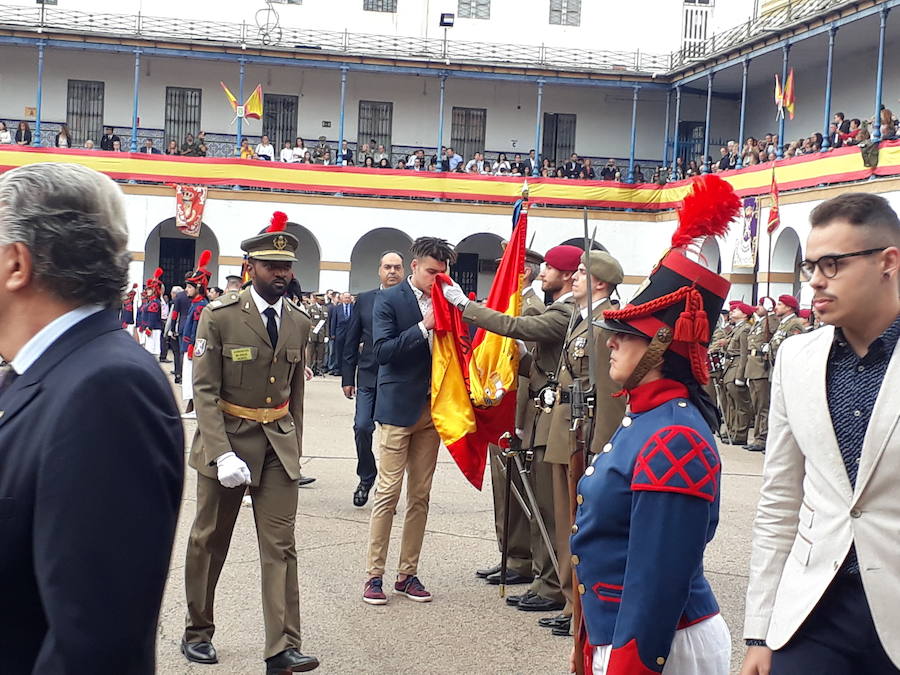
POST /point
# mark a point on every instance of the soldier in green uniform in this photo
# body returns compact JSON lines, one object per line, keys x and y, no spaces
{"x":318,"y":315}
{"x":788,"y":324}
{"x":547,"y":331}
{"x":735,"y":378}
{"x":248,"y":393}
{"x":605,"y":275}
{"x":757,"y":373}
{"x":717,"y":360}
{"x":519,"y":539}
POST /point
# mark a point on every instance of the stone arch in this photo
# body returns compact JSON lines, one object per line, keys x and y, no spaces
{"x":785,"y":268}
{"x":172,"y":250}
{"x":367,"y":254}
{"x":579,"y":242}
{"x":476,"y":263}
{"x":710,"y":255}
{"x":309,"y":256}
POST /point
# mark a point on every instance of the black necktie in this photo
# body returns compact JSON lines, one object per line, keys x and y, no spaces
{"x":7,"y":377}
{"x":271,"y":326}
{"x":346,"y":311}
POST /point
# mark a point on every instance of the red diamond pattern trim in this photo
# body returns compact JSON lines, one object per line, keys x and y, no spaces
{"x":667,"y":455}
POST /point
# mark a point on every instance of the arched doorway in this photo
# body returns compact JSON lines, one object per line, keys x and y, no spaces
{"x":177,"y":253}
{"x":476,"y":262}
{"x":309,"y":257}
{"x":579,"y":242}
{"x":785,"y":271}
{"x":367,"y":254}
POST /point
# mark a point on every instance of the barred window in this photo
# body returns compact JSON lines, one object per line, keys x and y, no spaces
{"x":182,"y":113}
{"x":84,"y":111}
{"x":474,"y":9}
{"x":380,"y":5}
{"x":280,"y":119}
{"x":565,"y":12}
{"x":374,"y":121}
{"x":467,"y":131}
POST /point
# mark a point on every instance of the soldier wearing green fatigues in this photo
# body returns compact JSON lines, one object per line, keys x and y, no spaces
{"x":605,"y":274}
{"x":757,"y":375}
{"x":716,"y":386}
{"x":518,"y":565}
{"x":788,"y":324}
{"x":315,"y":351}
{"x":735,"y":378}
{"x":248,"y":363}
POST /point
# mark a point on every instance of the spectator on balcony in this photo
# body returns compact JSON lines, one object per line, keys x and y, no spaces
{"x":694,"y":170}
{"x":287,"y":153}
{"x":63,"y":138}
{"x":453,"y":160}
{"x":246,"y":152}
{"x":547,"y":166}
{"x":89,"y":144}
{"x":106,"y":140}
{"x":834,"y":135}
{"x":888,"y":129}
{"x":308,"y":158}
{"x":345,"y":156}
{"x":326,"y":158}
{"x":364,"y":151}
{"x":320,"y":151}
{"x":610,"y":171}
{"x":722,"y":164}
{"x":433,"y":167}
{"x":572,"y":168}
{"x":638,"y":175}
{"x":771,"y":157}
{"x":517,"y":165}
{"x":23,"y":134}
{"x":172,"y":148}
{"x":299,"y":150}
{"x":383,"y":163}
{"x":117,"y":146}
{"x":401,"y":164}
{"x":501,"y":163}
{"x":5,"y":136}
{"x":476,"y":164}
{"x":381,"y":154}
{"x":368,"y":162}
{"x":264,"y":149}
{"x":202,"y":146}
{"x":418,"y":165}
{"x":560,"y":172}
{"x":148,"y":148}
{"x":849,"y":137}
{"x":587,"y":170}
{"x":529,"y":165}
{"x":190,"y":148}
{"x":843,"y":124}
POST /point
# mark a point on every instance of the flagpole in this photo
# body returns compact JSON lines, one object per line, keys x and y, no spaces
{"x":769,"y":236}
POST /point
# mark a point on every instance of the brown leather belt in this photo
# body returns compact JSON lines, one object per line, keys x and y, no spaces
{"x":262,"y":415}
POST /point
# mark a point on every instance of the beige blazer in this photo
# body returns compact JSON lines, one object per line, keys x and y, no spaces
{"x":808,"y":515}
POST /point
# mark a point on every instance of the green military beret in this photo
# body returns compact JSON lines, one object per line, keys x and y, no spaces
{"x":603,"y":267}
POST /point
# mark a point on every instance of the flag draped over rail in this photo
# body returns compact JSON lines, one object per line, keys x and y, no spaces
{"x":473,"y":385}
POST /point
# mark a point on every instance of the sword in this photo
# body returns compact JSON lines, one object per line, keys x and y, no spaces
{"x":515,"y":490}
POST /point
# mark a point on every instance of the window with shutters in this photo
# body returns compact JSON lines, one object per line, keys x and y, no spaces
{"x":84,"y":111}
{"x":380,"y":5}
{"x":182,"y":113}
{"x":280,"y":119}
{"x":474,"y":9}
{"x":565,"y":12}
{"x":558,"y":142}
{"x":467,"y":131}
{"x":374,"y":122}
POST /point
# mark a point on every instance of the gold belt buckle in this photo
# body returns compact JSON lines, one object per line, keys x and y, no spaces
{"x":265,"y":415}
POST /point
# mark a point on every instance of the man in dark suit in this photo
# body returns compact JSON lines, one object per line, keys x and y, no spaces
{"x":402,"y":327}
{"x":572,"y":168}
{"x":338,"y":322}
{"x":359,"y":372}
{"x":529,"y":165}
{"x":90,"y":438}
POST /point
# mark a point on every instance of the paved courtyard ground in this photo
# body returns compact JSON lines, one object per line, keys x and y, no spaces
{"x":467,"y":629}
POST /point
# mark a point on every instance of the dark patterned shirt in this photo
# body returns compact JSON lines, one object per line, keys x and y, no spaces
{"x":852,"y":386}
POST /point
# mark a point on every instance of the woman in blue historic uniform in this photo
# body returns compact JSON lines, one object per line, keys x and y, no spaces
{"x":649,"y":502}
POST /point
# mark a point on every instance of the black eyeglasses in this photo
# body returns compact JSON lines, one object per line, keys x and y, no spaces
{"x":828,"y":264}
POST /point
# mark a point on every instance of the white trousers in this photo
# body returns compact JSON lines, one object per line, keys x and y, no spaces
{"x":187,"y":378}
{"x":151,"y":343}
{"x":701,"y":649}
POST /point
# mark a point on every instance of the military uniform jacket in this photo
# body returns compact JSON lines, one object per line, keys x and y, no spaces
{"x":647,"y":506}
{"x":608,"y":411}
{"x":531,"y":306}
{"x":789,"y":325}
{"x":234,"y":361}
{"x":759,"y":336}
{"x":736,"y":352}
{"x":547,"y":331}
{"x":318,"y":313}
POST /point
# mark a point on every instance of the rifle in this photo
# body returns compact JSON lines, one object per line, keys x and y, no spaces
{"x":581,"y":405}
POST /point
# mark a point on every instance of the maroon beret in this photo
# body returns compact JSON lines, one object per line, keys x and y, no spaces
{"x":565,"y":258}
{"x":790,"y":301}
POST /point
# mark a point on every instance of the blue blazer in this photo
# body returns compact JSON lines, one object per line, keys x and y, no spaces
{"x":359,"y":367}
{"x":338,"y":322}
{"x":91,"y":470}
{"x":403,"y":356}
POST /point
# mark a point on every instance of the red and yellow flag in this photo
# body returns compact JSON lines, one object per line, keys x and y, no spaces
{"x":774,"y":215}
{"x":473,"y":387}
{"x":789,"y":94}
{"x":253,"y":108}
{"x":232,"y":100}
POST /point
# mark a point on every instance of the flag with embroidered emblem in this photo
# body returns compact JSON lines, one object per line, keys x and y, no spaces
{"x":774,"y":214}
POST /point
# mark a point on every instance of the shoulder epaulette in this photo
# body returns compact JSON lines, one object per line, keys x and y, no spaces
{"x":224,"y":301}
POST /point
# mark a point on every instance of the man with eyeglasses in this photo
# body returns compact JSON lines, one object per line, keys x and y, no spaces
{"x":824,"y":589}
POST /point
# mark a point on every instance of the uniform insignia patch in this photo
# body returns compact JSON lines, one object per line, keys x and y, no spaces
{"x":242,"y":354}
{"x":200,"y":347}
{"x":280,"y":242}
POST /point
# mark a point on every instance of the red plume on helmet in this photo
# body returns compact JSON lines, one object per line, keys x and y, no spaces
{"x":706,"y":211}
{"x":278,"y":222}
{"x":154,"y":284}
{"x":201,"y":277}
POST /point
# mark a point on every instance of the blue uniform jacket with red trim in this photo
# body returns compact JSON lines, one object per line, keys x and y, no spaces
{"x":153,"y":315}
{"x":141,"y":322}
{"x":193,"y":320}
{"x":647,"y":506}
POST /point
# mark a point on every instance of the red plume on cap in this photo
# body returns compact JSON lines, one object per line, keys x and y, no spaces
{"x":278,"y":222}
{"x":158,"y":273}
{"x":204,"y":259}
{"x":201,"y":277}
{"x":707,"y":210}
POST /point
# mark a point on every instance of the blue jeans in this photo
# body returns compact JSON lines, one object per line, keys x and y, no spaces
{"x":363,"y":428}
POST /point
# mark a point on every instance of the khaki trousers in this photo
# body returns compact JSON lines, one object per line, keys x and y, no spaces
{"x":315,"y":355}
{"x":519,"y":548}
{"x":412,"y":450}
{"x":739,"y":405}
{"x":562,"y":522}
{"x":759,"y":396}
{"x":274,"y":512}
{"x":546,"y":582}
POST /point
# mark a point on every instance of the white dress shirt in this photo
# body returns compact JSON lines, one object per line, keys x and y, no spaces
{"x":262,"y":305}
{"x":424,"y":307}
{"x":46,"y":336}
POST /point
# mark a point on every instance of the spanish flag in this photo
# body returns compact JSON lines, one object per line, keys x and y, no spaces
{"x":253,"y":108}
{"x":789,"y":94}
{"x":774,"y":214}
{"x":232,"y":100}
{"x":473,"y":399}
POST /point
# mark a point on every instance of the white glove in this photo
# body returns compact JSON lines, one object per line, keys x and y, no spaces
{"x":326,"y":340}
{"x":741,"y":383}
{"x":523,"y":349}
{"x":521,"y":434}
{"x":456,"y":295}
{"x":232,"y":470}
{"x":765,"y":348}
